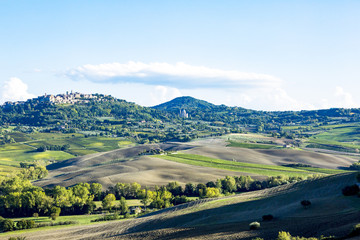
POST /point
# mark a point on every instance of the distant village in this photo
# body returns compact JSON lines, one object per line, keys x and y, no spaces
{"x":67,"y":98}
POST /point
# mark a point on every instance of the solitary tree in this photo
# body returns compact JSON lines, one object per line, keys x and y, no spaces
{"x":305,"y":203}
{"x":108,"y":201}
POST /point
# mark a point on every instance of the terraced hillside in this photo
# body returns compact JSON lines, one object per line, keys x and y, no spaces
{"x":229,"y":217}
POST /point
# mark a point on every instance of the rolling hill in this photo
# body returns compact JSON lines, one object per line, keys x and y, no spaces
{"x":188,"y":103}
{"x":126,"y":165}
{"x":229,"y":217}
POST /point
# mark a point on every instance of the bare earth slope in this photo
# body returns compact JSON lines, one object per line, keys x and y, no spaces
{"x":228,"y":218}
{"x":125,"y":165}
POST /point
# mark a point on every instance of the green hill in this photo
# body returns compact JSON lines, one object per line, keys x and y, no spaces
{"x":330,"y":214}
{"x":187,"y":103}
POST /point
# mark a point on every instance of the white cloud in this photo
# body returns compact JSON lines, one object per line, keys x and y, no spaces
{"x":269,"y":99}
{"x":15,"y":90}
{"x":179,"y":75}
{"x":163,"y":94}
{"x":344,"y":99}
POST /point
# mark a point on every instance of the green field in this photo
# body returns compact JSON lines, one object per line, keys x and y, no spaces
{"x":260,"y":169}
{"x":130,"y":203}
{"x":24,"y":150}
{"x":341,"y":133}
{"x":79,"y":219}
{"x":13,"y":158}
{"x":251,"y":145}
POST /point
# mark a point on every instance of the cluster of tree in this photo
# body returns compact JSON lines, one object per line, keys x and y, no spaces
{"x":9,"y":225}
{"x":354,"y":189}
{"x":6,"y":139}
{"x":19,"y":198}
{"x":355,"y":166}
{"x":33,"y":172}
{"x":44,"y":148}
{"x":230,"y":185}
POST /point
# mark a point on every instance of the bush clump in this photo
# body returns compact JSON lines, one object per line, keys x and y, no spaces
{"x":107,"y":218}
{"x":305,"y":203}
{"x":350,"y":190}
{"x":287,"y":236}
{"x":267,"y":217}
{"x":355,"y":231}
{"x":254,"y":225}
{"x":6,"y":225}
{"x":17,"y":238}
{"x":56,"y":223}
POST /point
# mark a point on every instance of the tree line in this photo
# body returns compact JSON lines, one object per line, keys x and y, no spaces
{"x":19,"y":198}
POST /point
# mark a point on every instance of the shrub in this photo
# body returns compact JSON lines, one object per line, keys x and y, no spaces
{"x":355,"y":166}
{"x":25,"y":224}
{"x":6,"y":225}
{"x":305,"y":203}
{"x":107,"y":218}
{"x":267,"y":217}
{"x":355,"y":231}
{"x":350,"y":190}
{"x":56,"y":223}
{"x":21,"y":224}
{"x":35,"y":215}
{"x":287,"y":236}
{"x":54,"y":213}
{"x":254,"y":225}
{"x":30,"y":224}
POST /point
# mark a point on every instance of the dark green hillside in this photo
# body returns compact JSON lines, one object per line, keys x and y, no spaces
{"x":107,"y":115}
{"x":36,"y":113}
{"x":188,"y":103}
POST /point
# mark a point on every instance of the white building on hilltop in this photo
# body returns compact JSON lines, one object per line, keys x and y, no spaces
{"x":183,"y":113}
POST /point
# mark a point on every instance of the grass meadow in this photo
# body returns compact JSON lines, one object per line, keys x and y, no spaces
{"x":259,"y":169}
{"x":24,"y":150}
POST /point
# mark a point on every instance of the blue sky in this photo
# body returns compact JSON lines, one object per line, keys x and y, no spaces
{"x":268,"y":55}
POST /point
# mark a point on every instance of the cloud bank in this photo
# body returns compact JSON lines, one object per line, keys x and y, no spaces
{"x":180,"y":75}
{"x":14,"y":90}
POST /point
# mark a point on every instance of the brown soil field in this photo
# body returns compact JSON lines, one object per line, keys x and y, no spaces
{"x":126,"y":165}
{"x":228,"y":218}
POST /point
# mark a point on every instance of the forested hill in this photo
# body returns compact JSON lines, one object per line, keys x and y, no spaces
{"x":101,"y":111}
{"x":202,"y":110}
{"x":83,"y":114}
{"x":187,"y":103}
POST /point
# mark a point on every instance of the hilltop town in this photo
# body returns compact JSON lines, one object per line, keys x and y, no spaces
{"x":67,"y":98}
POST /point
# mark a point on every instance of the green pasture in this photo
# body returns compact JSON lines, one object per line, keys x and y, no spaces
{"x":242,"y":137}
{"x":80,"y":152}
{"x":49,"y":136}
{"x":25,"y":151}
{"x":79,"y":219}
{"x":13,"y":158}
{"x":260,"y":169}
{"x":251,"y":145}
{"x":19,"y":136}
{"x":15,"y":147}
{"x":333,"y":145}
{"x":99,"y":144}
{"x":341,"y":133}
{"x":130,"y":203}
{"x":321,"y":170}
